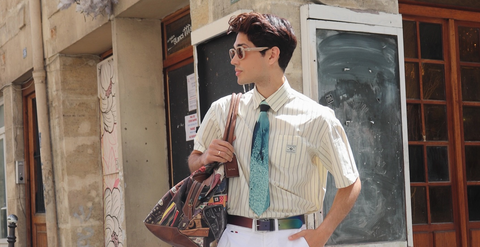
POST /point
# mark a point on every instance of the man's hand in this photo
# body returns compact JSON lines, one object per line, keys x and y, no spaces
{"x":218,"y":151}
{"x":342,"y":204}
{"x":313,"y":238}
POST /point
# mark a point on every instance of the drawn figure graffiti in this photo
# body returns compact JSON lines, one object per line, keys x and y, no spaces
{"x":114,"y":214}
{"x":113,"y":229}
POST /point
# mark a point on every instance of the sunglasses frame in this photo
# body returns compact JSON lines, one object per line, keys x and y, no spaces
{"x":235,"y":51}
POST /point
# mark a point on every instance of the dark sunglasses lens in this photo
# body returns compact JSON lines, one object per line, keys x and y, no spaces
{"x":240,"y":52}
{"x":231,"y":52}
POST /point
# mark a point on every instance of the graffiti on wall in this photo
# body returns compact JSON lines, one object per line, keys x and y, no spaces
{"x":108,"y":110}
{"x":113,"y":229}
{"x":84,"y":233}
{"x":113,"y":203}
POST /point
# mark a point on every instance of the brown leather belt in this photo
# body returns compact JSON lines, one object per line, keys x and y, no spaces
{"x":294,"y":222}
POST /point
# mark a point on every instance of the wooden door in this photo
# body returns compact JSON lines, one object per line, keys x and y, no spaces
{"x":442,"y":72}
{"x":35,"y":198}
{"x":467,"y":67}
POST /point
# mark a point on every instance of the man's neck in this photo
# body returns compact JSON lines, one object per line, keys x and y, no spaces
{"x":267,"y":88}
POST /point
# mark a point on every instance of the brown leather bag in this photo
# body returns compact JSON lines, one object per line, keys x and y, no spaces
{"x":194,"y":212}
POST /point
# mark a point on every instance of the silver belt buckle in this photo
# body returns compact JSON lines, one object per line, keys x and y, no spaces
{"x":265,"y":224}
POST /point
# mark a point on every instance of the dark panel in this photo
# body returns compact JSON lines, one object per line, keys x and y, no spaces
{"x":358,"y":73}
{"x":471,"y":121}
{"x":437,"y":161}
{"x":441,"y":210}
{"x":419,"y":205}
{"x":473,"y":193}
{"x":433,"y":78}
{"x":431,"y":44}
{"x":472,"y":163}
{"x":416,"y":162}
{"x":178,"y":100}
{"x":410,"y":39}
{"x":468,"y":39}
{"x":411,"y":80}
{"x":470,"y":85}
{"x":436,"y":122}
{"x":414,"y":116}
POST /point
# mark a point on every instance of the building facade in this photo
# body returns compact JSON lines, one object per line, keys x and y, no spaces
{"x":97,"y":113}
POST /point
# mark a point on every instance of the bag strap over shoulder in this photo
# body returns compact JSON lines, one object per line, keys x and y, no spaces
{"x":231,"y":168}
{"x":232,"y":118}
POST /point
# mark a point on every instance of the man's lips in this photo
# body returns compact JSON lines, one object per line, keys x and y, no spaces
{"x":237,"y":72}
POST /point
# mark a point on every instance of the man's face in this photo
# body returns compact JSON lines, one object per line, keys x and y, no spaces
{"x":253,"y":67}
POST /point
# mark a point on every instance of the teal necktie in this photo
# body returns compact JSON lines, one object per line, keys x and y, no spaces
{"x":259,"y":199}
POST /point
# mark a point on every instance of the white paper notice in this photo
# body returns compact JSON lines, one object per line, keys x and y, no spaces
{"x":192,"y":92}
{"x":191,"y":123}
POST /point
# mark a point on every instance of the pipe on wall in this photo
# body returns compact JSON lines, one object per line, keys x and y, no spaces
{"x":39,"y":76}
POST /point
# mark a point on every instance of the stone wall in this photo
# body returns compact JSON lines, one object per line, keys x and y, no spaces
{"x":14,"y":151}
{"x":15,"y":42}
{"x":142,"y":124}
{"x":75,"y":129}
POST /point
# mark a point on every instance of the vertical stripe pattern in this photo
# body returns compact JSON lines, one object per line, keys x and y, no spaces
{"x":306,"y":141}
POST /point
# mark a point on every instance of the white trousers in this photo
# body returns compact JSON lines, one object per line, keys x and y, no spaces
{"x":237,"y":236}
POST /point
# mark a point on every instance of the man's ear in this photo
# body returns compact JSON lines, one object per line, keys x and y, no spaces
{"x":274,"y":54}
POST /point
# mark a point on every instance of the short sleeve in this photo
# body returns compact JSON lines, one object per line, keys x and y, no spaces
{"x":336,"y":153}
{"x":212,"y":125}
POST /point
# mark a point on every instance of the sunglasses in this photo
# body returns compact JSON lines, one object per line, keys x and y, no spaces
{"x":240,"y":51}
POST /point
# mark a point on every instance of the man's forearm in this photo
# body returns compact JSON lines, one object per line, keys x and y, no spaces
{"x":341,"y":206}
{"x":218,"y":151}
{"x":195,"y":160}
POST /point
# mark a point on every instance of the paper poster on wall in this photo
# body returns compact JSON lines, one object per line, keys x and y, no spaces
{"x":192,"y":92}
{"x":191,"y":123}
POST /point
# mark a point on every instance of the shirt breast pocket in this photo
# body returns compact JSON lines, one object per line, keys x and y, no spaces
{"x":289,"y":154}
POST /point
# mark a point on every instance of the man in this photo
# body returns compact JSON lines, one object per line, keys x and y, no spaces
{"x":305,"y":140}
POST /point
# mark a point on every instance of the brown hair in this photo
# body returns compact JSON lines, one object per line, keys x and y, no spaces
{"x":266,"y":30}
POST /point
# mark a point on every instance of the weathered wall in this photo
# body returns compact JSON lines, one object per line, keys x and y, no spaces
{"x":14,"y":40}
{"x":141,"y":112}
{"x":14,"y":151}
{"x":206,"y":11}
{"x":387,"y":6}
{"x":63,"y":28}
{"x":124,"y":5}
{"x":75,"y":130}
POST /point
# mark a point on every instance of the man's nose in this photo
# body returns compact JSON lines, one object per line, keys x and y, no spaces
{"x":234,"y":60}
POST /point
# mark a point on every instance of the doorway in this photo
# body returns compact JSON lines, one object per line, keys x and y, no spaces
{"x":442,"y":70}
{"x":37,"y":230}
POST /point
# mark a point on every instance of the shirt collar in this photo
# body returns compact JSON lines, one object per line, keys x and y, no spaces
{"x":276,"y":100}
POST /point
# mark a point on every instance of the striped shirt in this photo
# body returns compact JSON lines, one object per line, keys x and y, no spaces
{"x":306,"y":141}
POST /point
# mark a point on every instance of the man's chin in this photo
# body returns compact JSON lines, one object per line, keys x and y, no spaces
{"x":242,"y":82}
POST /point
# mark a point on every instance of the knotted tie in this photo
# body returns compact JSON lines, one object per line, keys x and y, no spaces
{"x":259,"y":199}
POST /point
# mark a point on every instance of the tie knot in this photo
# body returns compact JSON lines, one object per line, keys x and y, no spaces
{"x":264,"y":106}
